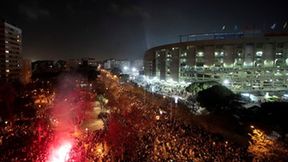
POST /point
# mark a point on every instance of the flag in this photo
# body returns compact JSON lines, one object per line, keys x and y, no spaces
{"x":273,"y":26}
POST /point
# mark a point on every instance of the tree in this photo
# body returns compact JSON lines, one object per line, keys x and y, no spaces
{"x":216,"y":98}
{"x":198,"y":86}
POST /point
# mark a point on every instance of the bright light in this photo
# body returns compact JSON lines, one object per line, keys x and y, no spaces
{"x":60,"y":154}
{"x":266,"y":95}
{"x":259,"y":53}
{"x":170,"y":80}
{"x":157,"y":117}
{"x":251,"y":96}
{"x":176,"y":99}
{"x":153,"y":88}
{"x":226,"y":82}
{"x":125,"y":68}
{"x":134,"y":69}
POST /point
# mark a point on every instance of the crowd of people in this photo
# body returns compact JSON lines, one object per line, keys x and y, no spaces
{"x":167,"y":138}
{"x":139,"y":126}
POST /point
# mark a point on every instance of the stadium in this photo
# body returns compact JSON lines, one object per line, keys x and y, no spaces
{"x":243,"y":61}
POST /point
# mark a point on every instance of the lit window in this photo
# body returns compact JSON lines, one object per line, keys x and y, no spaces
{"x":259,"y":53}
{"x":183,"y":60}
{"x":18,"y":40}
{"x":7,"y":70}
{"x":6,"y":42}
{"x":200,"y":54}
{"x":7,"y":61}
{"x":6,"y":51}
{"x":184,"y":54}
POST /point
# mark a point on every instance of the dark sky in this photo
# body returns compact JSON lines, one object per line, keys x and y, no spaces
{"x":124,"y":29}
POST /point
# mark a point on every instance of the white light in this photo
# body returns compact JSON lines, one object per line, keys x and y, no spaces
{"x":259,"y":53}
{"x":170,"y":80}
{"x":251,"y":96}
{"x":226,"y":82}
{"x":176,"y":99}
{"x":267,"y":95}
{"x":60,"y":154}
{"x":200,"y":54}
{"x":153,"y":89}
{"x":7,"y":70}
{"x":125,"y":68}
{"x":6,"y":51}
{"x":134,"y":69}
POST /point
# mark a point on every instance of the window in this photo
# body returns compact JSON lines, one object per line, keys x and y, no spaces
{"x":200,"y":54}
{"x":184,"y":54}
{"x":259,"y":53}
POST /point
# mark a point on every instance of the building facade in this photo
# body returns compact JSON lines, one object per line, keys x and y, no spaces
{"x":113,"y":63}
{"x":243,"y":60}
{"x":10,"y":51}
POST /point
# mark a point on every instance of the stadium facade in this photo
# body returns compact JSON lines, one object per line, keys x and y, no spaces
{"x":242,"y":61}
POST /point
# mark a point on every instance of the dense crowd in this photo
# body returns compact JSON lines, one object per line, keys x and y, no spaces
{"x":166,"y":138}
{"x":139,"y":126}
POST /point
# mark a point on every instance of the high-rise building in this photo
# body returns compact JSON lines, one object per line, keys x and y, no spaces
{"x":10,"y":51}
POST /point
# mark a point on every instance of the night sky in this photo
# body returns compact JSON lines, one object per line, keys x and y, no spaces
{"x":124,"y":29}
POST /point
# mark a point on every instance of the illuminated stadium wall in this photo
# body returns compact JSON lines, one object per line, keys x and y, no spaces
{"x":248,"y":61}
